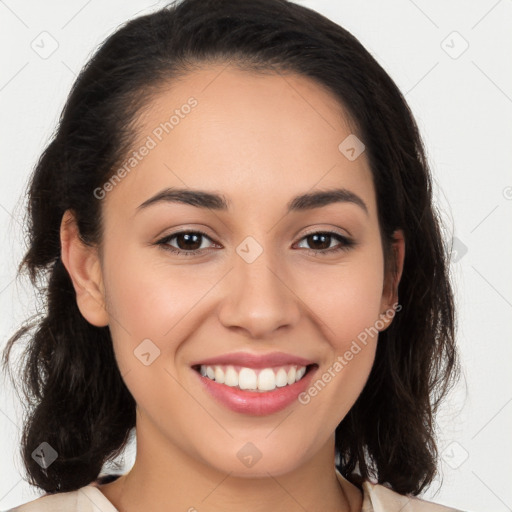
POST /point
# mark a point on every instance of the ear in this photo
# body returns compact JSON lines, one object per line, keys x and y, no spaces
{"x":83,"y":265}
{"x":394,"y":268}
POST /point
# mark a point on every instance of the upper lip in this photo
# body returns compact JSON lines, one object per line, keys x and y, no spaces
{"x":254,"y":360}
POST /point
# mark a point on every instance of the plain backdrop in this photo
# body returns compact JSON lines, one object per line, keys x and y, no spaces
{"x":452,"y":61}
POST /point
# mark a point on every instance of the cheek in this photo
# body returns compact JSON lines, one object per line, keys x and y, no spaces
{"x":149,"y":307}
{"x":346,"y":301}
{"x":147,"y":296}
{"x":347,"y":312}
{"x":345,"y":298}
{"x":138,"y":305}
{"x":151,"y":299}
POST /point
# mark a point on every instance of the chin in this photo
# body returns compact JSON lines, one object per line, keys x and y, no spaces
{"x":249,"y":462}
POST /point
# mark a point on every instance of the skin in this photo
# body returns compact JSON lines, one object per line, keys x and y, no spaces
{"x":258,"y":140}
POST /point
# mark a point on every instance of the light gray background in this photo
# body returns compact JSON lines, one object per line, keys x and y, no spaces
{"x":462,"y":101}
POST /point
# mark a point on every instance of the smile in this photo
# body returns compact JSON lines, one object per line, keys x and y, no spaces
{"x":257,"y":379}
{"x":255,"y":391}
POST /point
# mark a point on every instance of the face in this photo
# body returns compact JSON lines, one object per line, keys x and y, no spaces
{"x":235,"y":279}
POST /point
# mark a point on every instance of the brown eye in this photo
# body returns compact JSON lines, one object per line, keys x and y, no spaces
{"x":184,"y":242}
{"x":321,"y":242}
{"x":188,"y":241}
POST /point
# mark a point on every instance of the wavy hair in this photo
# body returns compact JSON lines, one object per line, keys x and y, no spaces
{"x":76,"y":398}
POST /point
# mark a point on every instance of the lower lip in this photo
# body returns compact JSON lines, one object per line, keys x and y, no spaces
{"x":256,"y":403}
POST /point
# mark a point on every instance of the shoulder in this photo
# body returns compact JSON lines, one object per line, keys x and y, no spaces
{"x":378,"y":498}
{"x":85,"y":499}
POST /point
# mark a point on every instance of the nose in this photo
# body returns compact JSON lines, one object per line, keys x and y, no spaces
{"x":259,"y":298}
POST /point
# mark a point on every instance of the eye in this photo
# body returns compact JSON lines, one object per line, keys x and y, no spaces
{"x":188,"y":242}
{"x":323,"y":240}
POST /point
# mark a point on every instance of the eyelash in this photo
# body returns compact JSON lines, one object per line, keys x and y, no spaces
{"x":345,"y":245}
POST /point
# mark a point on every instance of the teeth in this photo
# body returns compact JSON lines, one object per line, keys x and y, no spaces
{"x":300,"y":373}
{"x":281,"y":378}
{"x":231,"y":377}
{"x":247,"y":379}
{"x":219,"y":375}
{"x":265,"y":379}
{"x":292,"y":372}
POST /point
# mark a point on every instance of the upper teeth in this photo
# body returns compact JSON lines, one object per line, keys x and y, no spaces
{"x":264,"y":379}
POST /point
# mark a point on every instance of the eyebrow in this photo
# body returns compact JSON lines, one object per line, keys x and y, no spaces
{"x":203,"y":199}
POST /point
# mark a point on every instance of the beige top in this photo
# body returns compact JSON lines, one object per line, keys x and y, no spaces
{"x":376,"y":498}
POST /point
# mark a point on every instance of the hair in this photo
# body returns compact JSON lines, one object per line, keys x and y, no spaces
{"x":76,"y":398}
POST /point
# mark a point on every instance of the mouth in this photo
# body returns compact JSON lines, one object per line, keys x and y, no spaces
{"x":255,"y":384}
{"x":257,"y":380}
{"x":255,"y":391}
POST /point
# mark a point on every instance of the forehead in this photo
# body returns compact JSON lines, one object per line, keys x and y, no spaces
{"x":257,"y":138}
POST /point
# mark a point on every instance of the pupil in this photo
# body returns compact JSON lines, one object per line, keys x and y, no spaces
{"x":324,"y":245}
{"x":188,"y":237}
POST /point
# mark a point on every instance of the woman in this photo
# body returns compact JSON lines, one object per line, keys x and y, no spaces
{"x":244,"y":264}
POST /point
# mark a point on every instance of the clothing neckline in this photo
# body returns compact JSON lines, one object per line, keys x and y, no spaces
{"x":106,"y":505}
{"x":99,"y":499}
